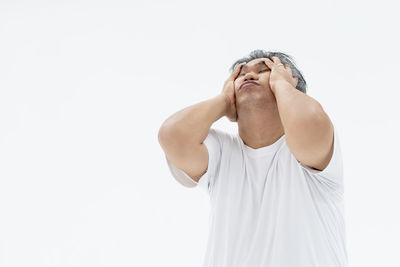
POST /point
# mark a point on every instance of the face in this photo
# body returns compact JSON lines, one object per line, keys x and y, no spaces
{"x":255,"y":71}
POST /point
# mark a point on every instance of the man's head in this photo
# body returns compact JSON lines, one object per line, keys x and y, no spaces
{"x":256,"y":70}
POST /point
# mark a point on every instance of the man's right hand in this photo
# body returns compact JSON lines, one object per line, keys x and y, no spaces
{"x":229,"y":93}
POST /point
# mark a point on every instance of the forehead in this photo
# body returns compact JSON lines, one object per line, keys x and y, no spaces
{"x":254,"y":63}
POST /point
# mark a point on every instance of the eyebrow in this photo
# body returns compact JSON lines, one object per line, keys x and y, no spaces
{"x":261,"y":63}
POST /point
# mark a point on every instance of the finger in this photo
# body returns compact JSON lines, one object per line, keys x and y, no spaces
{"x":296,"y":81}
{"x":237,"y":70}
{"x":287,"y":67}
{"x":269,"y":63}
{"x":276,"y":60}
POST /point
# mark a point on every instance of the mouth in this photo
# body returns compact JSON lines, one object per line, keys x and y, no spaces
{"x":248,"y":84}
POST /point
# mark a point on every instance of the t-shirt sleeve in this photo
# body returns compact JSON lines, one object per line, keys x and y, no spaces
{"x":332,"y":175}
{"x":206,"y":181}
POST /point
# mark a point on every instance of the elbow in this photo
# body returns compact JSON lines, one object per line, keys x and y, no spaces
{"x":167,"y":134}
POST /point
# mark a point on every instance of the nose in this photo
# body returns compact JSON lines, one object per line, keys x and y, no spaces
{"x":249,"y":76}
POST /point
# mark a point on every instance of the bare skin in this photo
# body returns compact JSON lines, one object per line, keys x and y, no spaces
{"x":258,"y":117}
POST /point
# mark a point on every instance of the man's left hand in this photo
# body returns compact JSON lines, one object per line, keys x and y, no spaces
{"x":279,"y":73}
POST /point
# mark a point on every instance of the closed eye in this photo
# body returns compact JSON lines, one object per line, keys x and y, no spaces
{"x":258,"y":72}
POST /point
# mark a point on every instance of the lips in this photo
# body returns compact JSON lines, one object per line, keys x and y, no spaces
{"x":243,"y":84}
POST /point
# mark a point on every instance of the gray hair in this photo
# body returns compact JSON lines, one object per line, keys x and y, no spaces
{"x":284,"y":58}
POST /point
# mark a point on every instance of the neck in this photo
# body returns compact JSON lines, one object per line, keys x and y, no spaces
{"x":259,"y":128}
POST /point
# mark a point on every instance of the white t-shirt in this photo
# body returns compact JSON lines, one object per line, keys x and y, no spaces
{"x":268,"y":209}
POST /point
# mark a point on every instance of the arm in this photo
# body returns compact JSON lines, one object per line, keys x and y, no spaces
{"x":182,"y":135}
{"x":192,"y":124}
{"x":308,"y":129}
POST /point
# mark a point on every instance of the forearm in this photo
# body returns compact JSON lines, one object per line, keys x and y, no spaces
{"x":193,"y":123}
{"x":295,"y":107}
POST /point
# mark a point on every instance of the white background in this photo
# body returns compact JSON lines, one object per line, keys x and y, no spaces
{"x":85,"y":86}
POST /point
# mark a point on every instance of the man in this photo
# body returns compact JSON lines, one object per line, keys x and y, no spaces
{"x":276,"y":188}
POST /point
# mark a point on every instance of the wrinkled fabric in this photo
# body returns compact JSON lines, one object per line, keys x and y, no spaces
{"x":267,"y":208}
